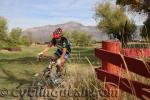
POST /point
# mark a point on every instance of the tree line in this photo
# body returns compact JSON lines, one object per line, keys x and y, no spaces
{"x":13,"y":38}
{"x":79,"y":38}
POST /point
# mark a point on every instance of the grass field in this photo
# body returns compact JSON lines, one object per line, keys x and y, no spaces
{"x":18,"y":68}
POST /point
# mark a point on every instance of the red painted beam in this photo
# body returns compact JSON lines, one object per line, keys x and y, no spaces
{"x":136,"y":52}
{"x":133,"y":65}
{"x":124,"y":84}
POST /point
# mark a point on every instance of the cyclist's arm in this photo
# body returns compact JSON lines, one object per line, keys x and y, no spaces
{"x":45,"y":51}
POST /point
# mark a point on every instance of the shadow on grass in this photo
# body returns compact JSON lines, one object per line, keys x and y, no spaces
{"x":33,"y":60}
{"x":24,"y":60}
{"x":85,"y":51}
{"x":11,"y":78}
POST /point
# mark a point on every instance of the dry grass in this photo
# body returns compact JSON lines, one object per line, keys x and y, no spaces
{"x":81,"y":83}
{"x":135,"y":77}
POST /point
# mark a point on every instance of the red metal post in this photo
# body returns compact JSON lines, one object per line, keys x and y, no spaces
{"x":111,"y":46}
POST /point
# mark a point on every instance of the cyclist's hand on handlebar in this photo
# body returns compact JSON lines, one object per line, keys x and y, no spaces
{"x":41,"y":53}
{"x":40,"y":56}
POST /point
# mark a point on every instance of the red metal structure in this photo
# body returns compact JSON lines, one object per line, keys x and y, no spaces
{"x":136,"y":52}
{"x":114,"y":63}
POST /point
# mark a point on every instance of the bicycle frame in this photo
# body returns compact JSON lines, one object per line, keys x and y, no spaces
{"x":51,"y":65}
{"x":49,"y":76}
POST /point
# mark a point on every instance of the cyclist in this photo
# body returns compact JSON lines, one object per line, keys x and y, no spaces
{"x":63,"y":49}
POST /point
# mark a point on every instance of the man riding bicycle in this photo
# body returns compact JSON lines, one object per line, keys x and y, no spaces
{"x":63,"y":49}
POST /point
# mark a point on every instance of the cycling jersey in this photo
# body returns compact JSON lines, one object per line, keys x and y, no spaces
{"x":63,"y":43}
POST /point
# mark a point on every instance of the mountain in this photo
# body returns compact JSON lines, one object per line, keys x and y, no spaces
{"x":43,"y":33}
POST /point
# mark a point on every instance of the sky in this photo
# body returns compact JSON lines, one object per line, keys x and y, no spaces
{"x":33,"y":13}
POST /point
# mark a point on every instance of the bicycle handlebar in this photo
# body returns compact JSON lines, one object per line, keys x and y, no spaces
{"x":41,"y":57}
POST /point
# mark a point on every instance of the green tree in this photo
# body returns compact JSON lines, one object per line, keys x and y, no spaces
{"x":113,"y":20}
{"x":3,"y":32}
{"x":68,"y":35}
{"x":76,"y":38}
{"x":136,"y":5}
{"x":15,"y":35}
{"x":81,"y":38}
{"x":24,"y":40}
{"x":139,"y":6}
{"x":145,"y":33}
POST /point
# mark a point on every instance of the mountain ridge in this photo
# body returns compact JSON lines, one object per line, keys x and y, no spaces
{"x":42,"y":33}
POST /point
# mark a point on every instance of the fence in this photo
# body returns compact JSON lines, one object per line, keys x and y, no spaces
{"x":114,"y":64}
{"x":137,"y":52}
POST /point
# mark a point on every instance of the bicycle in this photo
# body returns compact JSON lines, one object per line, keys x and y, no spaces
{"x":49,"y":77}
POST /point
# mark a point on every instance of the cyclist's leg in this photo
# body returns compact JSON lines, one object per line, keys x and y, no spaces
{"x":66,"y":57}
{"x":57,"y":55}
{"x":61,"y":63}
